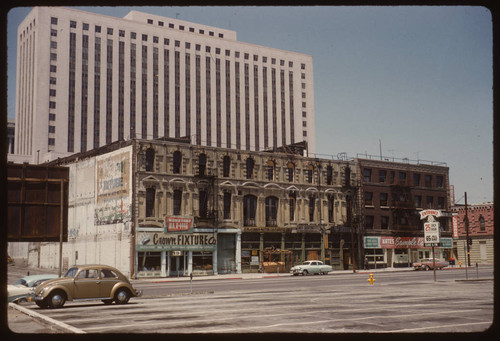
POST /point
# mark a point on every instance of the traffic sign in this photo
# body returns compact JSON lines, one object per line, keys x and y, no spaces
{"x":431,"y":232}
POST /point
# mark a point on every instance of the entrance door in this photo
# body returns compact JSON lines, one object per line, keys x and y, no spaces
{"x":226,"y":253}
{"x":347,"y":259}
{"x":177,"y":265}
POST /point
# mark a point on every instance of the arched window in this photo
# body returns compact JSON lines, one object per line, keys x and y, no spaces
{"x":290,"y":171}
{"x":202,"y":164}
{"x":250,"y":165}
{"x":270,"y":170}
{"x":292,"y":203}
{"x":177,"y":162}
{"x":482,"y":225}
{"x":271,"y":211}
{"x":150,"y":159}
{"x":249,"y":209}
{"x":226,"y":166}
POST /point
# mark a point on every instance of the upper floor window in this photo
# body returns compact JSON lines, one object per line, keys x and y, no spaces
{"x":150,"y":202}
{"x":250,"y":163}
{"x":177,"y":162}
{"x":226,"y":166}
{"x":150,"y":158}
{"x":331,"y":208}
{"x":270,"y":170}
{"x":416,"y":179}
{"x":428,"y":180}
{"x":249,"y":209}
{"x":177,"y":201}
{"x":227,"y":205}
{"x":290,"y":171}
{"x":292,"y":203}
{"x":202,"y":164}
{"x":312,"y":204}
{"x":482,"y":224}
{"x":329,"y":175}
{"x":382,"y":175}
{"x":369,"y":198}
{"x":271,"y":211}
{"x":367,"y":175}
{"x":310,"y":173}
{"x":439,"y":181}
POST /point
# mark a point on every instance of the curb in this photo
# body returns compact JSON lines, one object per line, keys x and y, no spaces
{"x":46,"y":319}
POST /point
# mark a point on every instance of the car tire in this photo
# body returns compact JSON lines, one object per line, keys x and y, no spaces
{"x":122,"y":296}
{"x":56,"y":299}
{"x":42,"y":304}
{"x":304,"y":272}
{"x":425,"y":267}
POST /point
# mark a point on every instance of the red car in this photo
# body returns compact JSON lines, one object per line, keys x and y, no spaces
{"x":428,"y":264}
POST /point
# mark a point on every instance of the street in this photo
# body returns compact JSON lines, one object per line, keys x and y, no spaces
{"x":397,"y":302}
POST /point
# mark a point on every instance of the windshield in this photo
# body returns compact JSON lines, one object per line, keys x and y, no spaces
{"x":21,"y":282}
{"x":71,"y":272}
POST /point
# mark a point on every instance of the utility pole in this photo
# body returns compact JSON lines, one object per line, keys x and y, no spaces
{"x":466,"y":222}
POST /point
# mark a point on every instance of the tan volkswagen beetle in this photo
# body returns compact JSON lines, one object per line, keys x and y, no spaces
{"x":86,"y":282}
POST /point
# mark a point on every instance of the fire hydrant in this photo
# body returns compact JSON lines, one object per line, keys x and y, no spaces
{"x":371,"y":279}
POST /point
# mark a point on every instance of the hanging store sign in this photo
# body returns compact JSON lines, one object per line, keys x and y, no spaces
{"x":433,"y":213}
{"x":160,"y":241}
{"x":401,"y":243}
{"x":179,"y":224}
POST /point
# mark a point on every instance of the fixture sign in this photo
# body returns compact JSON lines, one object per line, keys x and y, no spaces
{"x":178,"y":224}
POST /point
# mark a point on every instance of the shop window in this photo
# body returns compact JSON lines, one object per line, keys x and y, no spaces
{"x":150,"y":158}
{"x":202,"y":261}
{"x":329,"y":175}
{"x":250,"y":163}
{"x":150,"y":202}
{"x":202,"y":164}
{"x":249,"y":209}
{"x":177,"y":201}
{"x":227,"y":205}
{"x":149,"y":261}
{"x":177,"y":162}
{"x":271,"y":211}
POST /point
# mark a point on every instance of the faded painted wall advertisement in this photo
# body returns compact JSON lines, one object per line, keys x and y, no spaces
{"x":113,"y":192}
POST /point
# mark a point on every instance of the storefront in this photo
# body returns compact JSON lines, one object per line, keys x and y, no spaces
{"x":160,"y":253}
{"x":382,"y":252}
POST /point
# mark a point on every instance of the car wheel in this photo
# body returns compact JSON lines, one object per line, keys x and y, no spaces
{"x":107,"y":301}
{"x":56,"y":299}
{"x":425,"y":267}
{"x":304,"y":272}
{"x":122,"y":296}
{"x":325,"y":273}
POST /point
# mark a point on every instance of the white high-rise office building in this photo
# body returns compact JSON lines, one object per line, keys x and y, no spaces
{"x":85,"y":80}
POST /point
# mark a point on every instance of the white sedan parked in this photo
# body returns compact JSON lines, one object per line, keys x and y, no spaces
{"x":311,"y":267}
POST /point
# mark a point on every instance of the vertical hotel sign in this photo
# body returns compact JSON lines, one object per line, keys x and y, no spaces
{"x":113,"y":194}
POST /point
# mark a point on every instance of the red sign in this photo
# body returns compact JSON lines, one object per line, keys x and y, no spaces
{"x":179,"y":224}
{"x":401,"y":242}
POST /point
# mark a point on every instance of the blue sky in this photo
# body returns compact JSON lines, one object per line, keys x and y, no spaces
{"x":416,"y":81}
